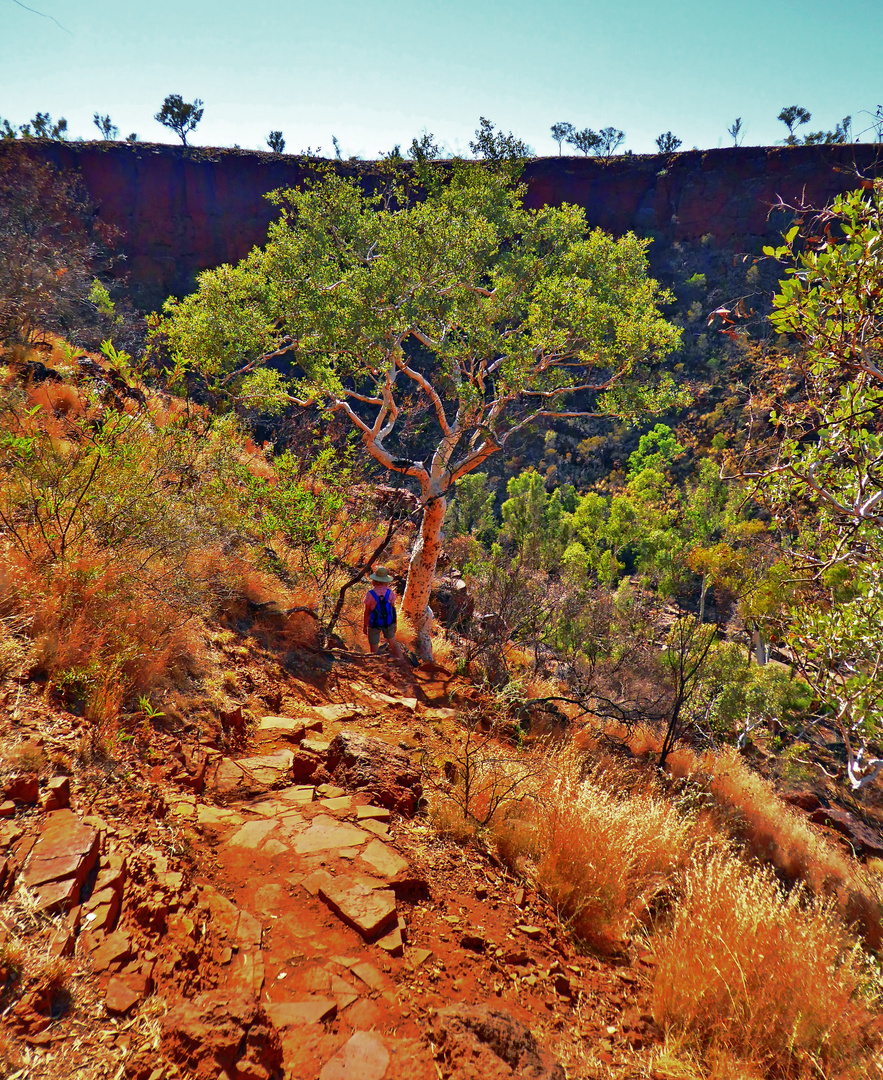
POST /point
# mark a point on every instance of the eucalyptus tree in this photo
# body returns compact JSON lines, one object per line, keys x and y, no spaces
{"x":561,"y":132}
{"x":495,"y":317}
{"x":824,"y":486}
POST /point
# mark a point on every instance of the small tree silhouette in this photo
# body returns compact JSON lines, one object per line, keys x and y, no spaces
{"x":793,"y":116}
{"x":585,"y":140}
{"x":735,"y":131}
{"x":667,"y":143}
{"x":179,"y":115}
{"x":276,"y":142}
{"x":561,"y":133}
{"x":109,"y":131}
{"x":609,"y":141}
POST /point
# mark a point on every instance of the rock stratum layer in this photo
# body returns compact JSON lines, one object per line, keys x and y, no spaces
{"x":184,"y":209}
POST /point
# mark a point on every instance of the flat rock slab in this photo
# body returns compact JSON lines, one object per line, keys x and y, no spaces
{"x":274,"y":847}
{"x":335,"y":713}
{"x":313,"y":1010}
{"x":217,"y":815}
{"x":313,"y":882}
{"x":382,"y":860}
{"x":362,"y":1057}
{"x":409,"y":703}
{"x":121,"y":996}
{"x":315,"y":746}
{"x":57,"y":896}
{"x":375,"y":813}
{"x":300,"y":793}
{"x":341,"y":802}
{"x":285,"y":727}
{"x":66,"y":848}
{"x":370,"y":911}
{"x":376,"y":827}
{"x":326,"y":833}
{"x":272,"y":808}
{"x":265,"y":769}
{"x":369,"y":974}
{"x":252,"y":834}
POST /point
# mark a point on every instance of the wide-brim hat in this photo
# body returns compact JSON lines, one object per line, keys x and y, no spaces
{"x":381,"y":574}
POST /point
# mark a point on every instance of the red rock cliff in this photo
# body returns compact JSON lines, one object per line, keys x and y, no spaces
{"x":184,"y":209}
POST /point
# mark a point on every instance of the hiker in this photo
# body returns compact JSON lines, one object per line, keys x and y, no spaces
{"x":380,"y":614}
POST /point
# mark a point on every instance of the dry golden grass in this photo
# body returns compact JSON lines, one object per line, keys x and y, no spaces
{"x":747,"y":809}
{"x":773,"y":833}
{"x":94,"y":630}
{"x":607,"y":855}
{"x":771,"y":978}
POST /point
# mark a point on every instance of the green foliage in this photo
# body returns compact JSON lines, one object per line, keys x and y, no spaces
{"x":793,"y":116}
{"x":734,"y":695}
{"x":472,"y":289}
{"x":116,"y":482}
{"x":49,"y":248}
{"x":534,"y":521}
{"x":825,"y":486}
{"x":471,"y":511}
{"x":610,"y":140}
{"x":424,"y":149}
{"x":44,"y":127}
{"x":656,"y":450}
{"x":276,"y":142}
{"x":493,"y":145}
{"x":179,"y":115}
{"x":100,"y":297}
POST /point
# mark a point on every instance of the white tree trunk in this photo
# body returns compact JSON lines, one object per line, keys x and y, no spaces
{"x":421,"y":569}
{"x":761,"y":653}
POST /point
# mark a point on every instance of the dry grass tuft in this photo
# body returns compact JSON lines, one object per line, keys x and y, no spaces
{"x":775,"y":834}
{"x":606,"y":854}
{"x":99,"y":636}
{"x":770,"y":978}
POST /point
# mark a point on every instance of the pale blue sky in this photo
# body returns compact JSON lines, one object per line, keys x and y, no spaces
{"x":378,"y":73}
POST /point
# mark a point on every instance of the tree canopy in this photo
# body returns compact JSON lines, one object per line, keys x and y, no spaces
{"x":496,"y":316}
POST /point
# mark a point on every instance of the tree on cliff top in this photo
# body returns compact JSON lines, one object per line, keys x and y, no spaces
{"x":793,"y":116}
{"x":490,"y":314}
{"x":179,"y":115}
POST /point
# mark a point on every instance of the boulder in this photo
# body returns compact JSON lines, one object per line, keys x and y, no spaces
{"x":65,"y":852}
{"x":483,"y":1039}
{"x":803,"y":800}
{"x":23,"y":789}
{"x":371,"y":765}
{"x":57,"y":795}
{"x":864,"y":839}
{"x":215,"y":1033}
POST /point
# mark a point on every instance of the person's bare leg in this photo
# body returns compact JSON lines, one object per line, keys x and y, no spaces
{"x":395,"y":648}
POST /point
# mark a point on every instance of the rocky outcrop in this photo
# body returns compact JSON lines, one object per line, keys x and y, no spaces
{"x":364,"y":764}
{"x":183,"y":209}
{"x":215,"y":1036}
{"x":479,"y":1041}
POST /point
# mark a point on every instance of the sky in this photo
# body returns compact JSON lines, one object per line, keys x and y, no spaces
{"x":376,"y":74}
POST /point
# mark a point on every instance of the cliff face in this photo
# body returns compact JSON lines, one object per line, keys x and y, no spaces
{"x":182,"y":210}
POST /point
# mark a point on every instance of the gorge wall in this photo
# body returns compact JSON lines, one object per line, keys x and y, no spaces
{"x":183,"y":209}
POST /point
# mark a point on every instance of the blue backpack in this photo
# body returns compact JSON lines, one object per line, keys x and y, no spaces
{"x":384,"y":613}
